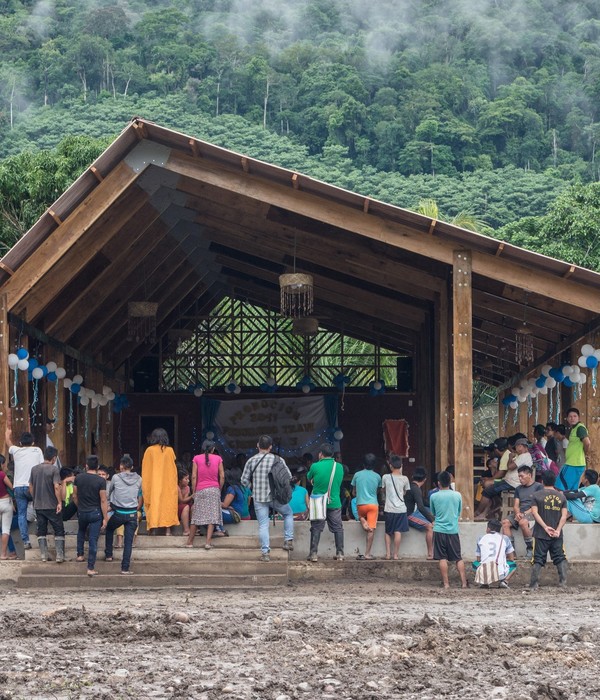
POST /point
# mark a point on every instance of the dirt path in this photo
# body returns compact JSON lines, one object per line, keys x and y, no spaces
{"x":363,"y":640}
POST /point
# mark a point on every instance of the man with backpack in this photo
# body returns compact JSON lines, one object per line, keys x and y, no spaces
{"x":269,"y":478}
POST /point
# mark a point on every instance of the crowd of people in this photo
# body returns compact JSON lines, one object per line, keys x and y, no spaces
{"x":546,"y":474}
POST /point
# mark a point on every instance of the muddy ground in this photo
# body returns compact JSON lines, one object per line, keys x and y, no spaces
{"x":366,"y":640}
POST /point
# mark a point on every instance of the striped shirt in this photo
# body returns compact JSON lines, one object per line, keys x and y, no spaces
{"x":256,"y":475}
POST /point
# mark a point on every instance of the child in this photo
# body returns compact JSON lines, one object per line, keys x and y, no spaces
{"x":395,"y":485}
{"x":185,"y":499}
{"x":496,"y":547}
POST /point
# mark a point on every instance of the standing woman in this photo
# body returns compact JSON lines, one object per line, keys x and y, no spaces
{"x":159,"y":482}
{"x":207,"y":481}
{"x":6,"y":514}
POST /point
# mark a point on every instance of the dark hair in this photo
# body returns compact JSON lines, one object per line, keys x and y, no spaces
{"x":2,"y":459}
{"x":326,"y":449}
{"x":369,"y":461}
{"x":525,"y":468}
{"x":264,"y":442}
{"x":395,"y":461}
{"x":591,"y":476}
{"x":444,"y":479}
{"x":419,"y":474}
{"x":181,"y":474}
{"x":126,"y":461}
{"x":572,"y":410}
{"x":208,"y":447}
{"x":50,"y":453}
{"x":450,"y":469}
{"x":551,"y":425}
{"x":539,"y":430}
{"x":233,"y":476}
{"x":66,"y":472}
{"x":491,"y":459}
{"x":561,"y":428}
{"x":307,"y":456}
{"x":501,"y":444}
{"x":548,"y":478}
{"x":494,"y":525}
{"x":159,"y":436}
{"x":91,"y":462}
{"x":26,"y":439}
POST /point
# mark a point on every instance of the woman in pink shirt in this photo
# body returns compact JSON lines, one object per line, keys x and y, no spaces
{"x":207,"y":482}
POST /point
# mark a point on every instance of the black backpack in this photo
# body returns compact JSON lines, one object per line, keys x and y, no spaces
{"x":280,"y":482}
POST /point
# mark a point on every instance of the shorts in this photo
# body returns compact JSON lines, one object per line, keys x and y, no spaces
{"x":515,"y":525}
{"x":395,"y":522}
{"x":418,"y":521}
{"x":446,"y":546}
{"x":370,"y":513}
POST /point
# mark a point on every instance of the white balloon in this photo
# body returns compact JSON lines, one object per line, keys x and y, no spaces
{"x":305,"y":389}
{"x":67,"y":382}
{"x":37,"y":373}
{"x":587,"y":349}
{"x":544,"y":390}
{"x":77,"y":379}
{"x":270,"y":381}
{"x":94,"y":403}
{"x":338,"y":435}
{"x":567,"y":370}
{"x":23,"y":364}
{"x":84,"y":400}
{"x":103,"y":400}
{"x":105,"y":390}
{"x":237,"y":390}
{"x":210,"y":435}
{"x":111,"y":396}
{"x":51,"y":366}
{"x":521,"y":398}
{"x":13,"y":360}
{"x":546,"y":370}
{"x":597,"y":354}
{"x":514,"y":405}
{"x":60,"y":372}
{"x":583,"y":379}
{"x":198,"y":391}
{"x":550,"y":383}
{"x":582,"y":361}
{"x":377,"y":386}
{"x":532,"y":394}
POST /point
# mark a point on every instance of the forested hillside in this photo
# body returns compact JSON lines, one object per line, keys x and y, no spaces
{"x":486,"y":106}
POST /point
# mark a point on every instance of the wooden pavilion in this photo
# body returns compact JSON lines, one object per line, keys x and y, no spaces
{"x":181,"y":223}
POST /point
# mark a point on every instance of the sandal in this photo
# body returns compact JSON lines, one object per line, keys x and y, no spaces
{"x":80,"y":559}
{"x":107,"y":559}
{"x":208,"y":546}
{"x":91,"y":574}
{"x":360,"y":557}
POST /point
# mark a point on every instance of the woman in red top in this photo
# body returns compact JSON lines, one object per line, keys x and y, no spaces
{"x":6,"y":513}
{"x":207,"y":482}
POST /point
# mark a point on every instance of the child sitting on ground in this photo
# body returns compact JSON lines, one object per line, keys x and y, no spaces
{"x":496,"y":547}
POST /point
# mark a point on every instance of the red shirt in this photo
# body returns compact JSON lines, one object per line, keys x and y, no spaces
{"x":3,"y":490}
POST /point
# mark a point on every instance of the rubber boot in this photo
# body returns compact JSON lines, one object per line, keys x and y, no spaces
{"x":314,"y":546}
{"x":563,"y":567}
{"x":535,"y":577}
{"x":60,"y":549}
{"x":43,"y":545}
{"x":339,"y":545}
{"x":529,"y":551}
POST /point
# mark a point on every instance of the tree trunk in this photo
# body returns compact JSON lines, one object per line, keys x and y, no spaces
{"x":265,"y":106}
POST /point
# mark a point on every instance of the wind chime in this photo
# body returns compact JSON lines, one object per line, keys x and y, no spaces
{"x":524,"y":355}
{"x":297,"y":292}
{"x":141,"y":320}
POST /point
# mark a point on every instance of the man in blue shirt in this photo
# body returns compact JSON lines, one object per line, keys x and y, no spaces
{"x":446,"y":506}
{"x":365,"y":485}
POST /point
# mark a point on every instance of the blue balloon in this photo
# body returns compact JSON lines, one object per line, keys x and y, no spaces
{"x":591,"y":361}
{"x":33,"y":363}
{"x":540,"y":382}
{"x":559,"y":376}
{"x":75,"y":388}
{"x":52,"y":376}
{"x":553,"y":372}
{"x":568,"y":382}
{"x":22,"y":354}
{"x":44,"y":370}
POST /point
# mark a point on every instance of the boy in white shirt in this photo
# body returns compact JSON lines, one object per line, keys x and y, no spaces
{"x":496,"y":547}
{"x":395,"y":485}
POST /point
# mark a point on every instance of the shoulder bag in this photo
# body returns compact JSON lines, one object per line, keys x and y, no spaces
{"x":317,"y":507}
{"x":488,"y":573}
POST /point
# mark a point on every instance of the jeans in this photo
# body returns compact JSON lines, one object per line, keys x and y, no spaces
{"x":22,"y":498}
{"x":262,"y":515}
{"x":130,"y":523}
{"x":91,"y":519}
{"x":55,"y":519}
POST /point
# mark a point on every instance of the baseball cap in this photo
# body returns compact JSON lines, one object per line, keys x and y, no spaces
{"x":521,"y":441}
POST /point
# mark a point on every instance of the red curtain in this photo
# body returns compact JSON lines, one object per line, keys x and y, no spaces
{"x":395,"y":436}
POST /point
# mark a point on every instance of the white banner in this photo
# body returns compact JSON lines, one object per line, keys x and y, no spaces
{"x":297,"y":425}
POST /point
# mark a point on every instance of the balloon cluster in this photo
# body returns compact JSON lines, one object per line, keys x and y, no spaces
{"x":341,"y":381}
{"x":120,"y":403}
{"x":196,"y":389}
{"x":569,"y":375}
{"x":53,"y":373}
{"x":377,"y":387}
{"x":590,"y":357}
{"x":269,"y":386}
{"x":233,"y":388}
{"x":305,"y":385}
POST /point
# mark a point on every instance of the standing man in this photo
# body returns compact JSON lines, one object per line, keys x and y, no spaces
{"x":256,"y":477}
{"x":89,"y":494}
{"x":577,"y":449}
{"x":446,"y":506}
{"x":522,"y":517}
{"x":550,"y":512}
{"x":365,"y":485}
{"x":326,"y":476}
{"x":419,"y":515}
{"x":25,"y":456}
{"x":44,"y":486}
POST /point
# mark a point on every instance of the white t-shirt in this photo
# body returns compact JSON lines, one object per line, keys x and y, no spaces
{"x":394,"y":502}
{"x":487,"y":550}
{"x":25,"y":459}
{"x":512,"y":475}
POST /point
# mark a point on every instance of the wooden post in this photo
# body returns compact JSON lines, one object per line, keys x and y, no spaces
{"x":5,"y":372}
{"x":462,"y":366}
{"x":442,"y":394}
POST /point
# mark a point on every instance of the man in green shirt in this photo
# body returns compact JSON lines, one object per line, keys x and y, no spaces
{"x":326,"y":476}
{"x":577,"y":449}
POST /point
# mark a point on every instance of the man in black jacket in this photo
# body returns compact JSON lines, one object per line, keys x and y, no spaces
{"x":419,"y":515}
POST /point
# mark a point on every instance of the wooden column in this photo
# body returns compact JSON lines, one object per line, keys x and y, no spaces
{"x":5,"y":372}
{"x":462,"y":370}
{"x":442,"y":393}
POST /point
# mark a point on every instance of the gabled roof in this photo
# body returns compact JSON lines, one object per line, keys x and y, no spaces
{"x":165,"y":217}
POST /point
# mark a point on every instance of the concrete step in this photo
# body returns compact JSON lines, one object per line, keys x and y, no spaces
{"x":136,"y":580}
{"x":174,"y":554}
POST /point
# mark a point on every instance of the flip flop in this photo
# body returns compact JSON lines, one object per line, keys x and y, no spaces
{"x":208,"y":546}
{"x":91,"y":574}
{"x":360,"y":557}
{"x":80,"y":559}
{"x":106,"y":559}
